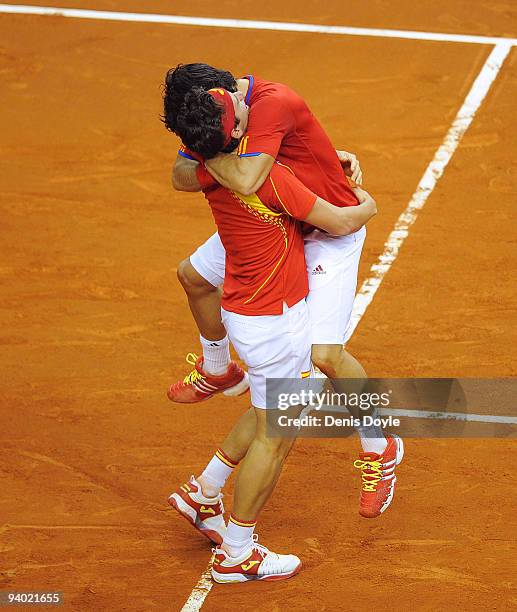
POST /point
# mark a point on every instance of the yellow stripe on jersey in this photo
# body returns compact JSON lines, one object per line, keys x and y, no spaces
{"x":306,"y":374}
{"x":269,"y":277}
{"x":279,"y":198}
{"x":254,"y":202}
{"x":287,"y":167}
{"x":243,"y":145}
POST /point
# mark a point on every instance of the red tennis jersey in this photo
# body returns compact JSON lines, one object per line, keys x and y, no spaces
{"x":265,"y":260}
{"x":282,"y":125}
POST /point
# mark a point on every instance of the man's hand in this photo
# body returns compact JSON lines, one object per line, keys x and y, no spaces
{"x":362,"y":195}
{"x":343,"y":221}
{"x":350,"y":165}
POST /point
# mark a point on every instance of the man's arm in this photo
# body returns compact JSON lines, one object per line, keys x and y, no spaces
{"x":184,"y":175}
{"x":342,"y":221}
{"x":243,"y":174}
{"x":247,"y":174}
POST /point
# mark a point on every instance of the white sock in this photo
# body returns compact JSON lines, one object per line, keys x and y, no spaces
{"x":216,"y":473}
{"x":238,"y":537}
{"x":216,"y":355}
{"x":372,"y":438}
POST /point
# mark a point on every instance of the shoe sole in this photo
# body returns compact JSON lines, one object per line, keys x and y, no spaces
{"x":398,"y":458}
{"x":175,"y":501}
{"x":240,"y":388}
{"x":239,"y":578}
{"x":400,"y":449}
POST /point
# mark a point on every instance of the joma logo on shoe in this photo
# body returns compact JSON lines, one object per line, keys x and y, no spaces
{"x":207,"y":510}
{"x":248,"y":566}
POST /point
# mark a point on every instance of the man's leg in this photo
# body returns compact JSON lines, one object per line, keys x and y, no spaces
{"x":274,"y":346}
{"x":228,"y":456}
{"x":259,"y":471}
{"x":336,"y":362}
{"x":341,"y":368}
{"x":204,"y":301}
{"x":332,"y":265}
{"x":255,"y":482}
{"x":200,"y":500}
{"x":200,"y":276}
{"x":240,"y":558}
{"x":246,"y":439}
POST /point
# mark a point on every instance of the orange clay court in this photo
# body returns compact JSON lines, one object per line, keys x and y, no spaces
{"x":95,"y":326}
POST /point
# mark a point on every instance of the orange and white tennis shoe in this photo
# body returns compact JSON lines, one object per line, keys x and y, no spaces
{"x":378,"y":477}
{"x":256,"y":563}
{"x":204,"y":514}
{"x":199,"y":385}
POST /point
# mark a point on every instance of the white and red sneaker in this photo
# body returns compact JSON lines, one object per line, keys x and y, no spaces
{"x":256,"y":563}
{"x":204,"y":514}
{"x":378,"y":477}
{"x":199,"y":385}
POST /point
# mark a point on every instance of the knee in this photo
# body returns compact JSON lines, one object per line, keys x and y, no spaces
{"x":326,"y":359}
{"x":184,"y":273}
{"x":191,"y":281}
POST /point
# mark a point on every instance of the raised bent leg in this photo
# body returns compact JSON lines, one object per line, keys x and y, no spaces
{"x":204,"y":301}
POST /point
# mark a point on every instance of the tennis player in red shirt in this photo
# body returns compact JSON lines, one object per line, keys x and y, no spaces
{"x":280,"y":126}
{"x":266,"y":315}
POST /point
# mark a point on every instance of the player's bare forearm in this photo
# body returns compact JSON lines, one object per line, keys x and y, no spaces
{"x":243,"y":174}
{"x":360,"y":215}
{"x":184,"y":177}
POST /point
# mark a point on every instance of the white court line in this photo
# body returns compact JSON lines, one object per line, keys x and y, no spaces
{"x":432,"y":174}
{"x":199,"y":592}
{"x":434,"y":414}
{"x":246,"y":24}
{"x":451,"y":416}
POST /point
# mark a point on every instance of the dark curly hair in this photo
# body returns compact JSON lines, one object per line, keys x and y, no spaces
{"x":180,"y":80}
{"x":200,"y":127}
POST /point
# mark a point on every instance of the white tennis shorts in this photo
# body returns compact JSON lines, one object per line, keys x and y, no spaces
{"x":332,"y":265}
{"x":272,"y":346}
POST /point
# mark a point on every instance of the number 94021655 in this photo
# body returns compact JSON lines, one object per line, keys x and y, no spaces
{"x":35,"y":598}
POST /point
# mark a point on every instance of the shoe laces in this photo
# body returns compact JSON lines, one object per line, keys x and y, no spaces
{"x":371,"y":473}
{"x":268,"y":557}
{"x":193,"y":376}
{"x":270,"y":560}
{"x":262,"y":550}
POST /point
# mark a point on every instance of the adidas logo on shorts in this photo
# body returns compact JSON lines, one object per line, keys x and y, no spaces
{"x":318,"y":270}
